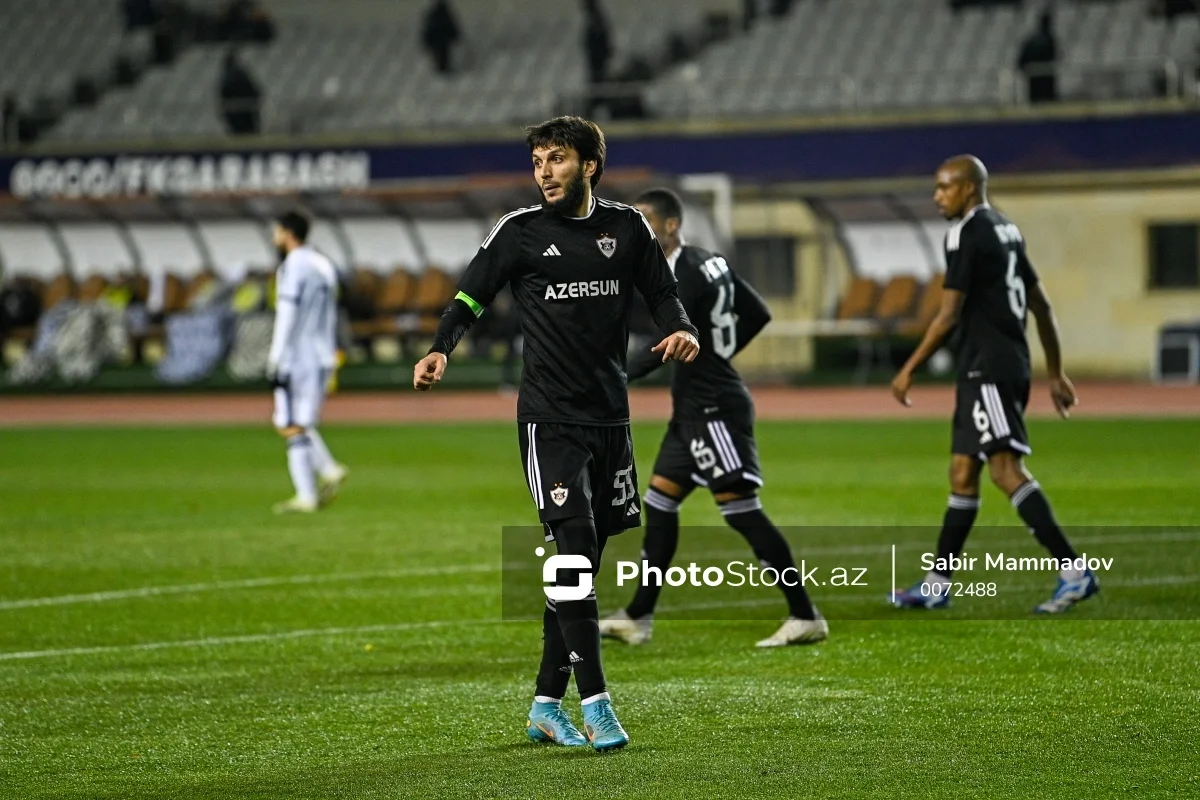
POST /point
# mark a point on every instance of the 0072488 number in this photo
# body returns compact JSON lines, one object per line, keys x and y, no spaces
{"x":958,"y":590}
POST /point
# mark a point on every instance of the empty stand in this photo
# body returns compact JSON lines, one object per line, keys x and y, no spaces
{"x":48,"y":43}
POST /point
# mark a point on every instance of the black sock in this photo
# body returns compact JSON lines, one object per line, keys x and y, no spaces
{"x":956,"y":524}
{"x":555,"y":672}
{"x":579,"y":620}
{"x":747,"y":518}
{"x":658,"y":548}
{"x":1034,"y":509}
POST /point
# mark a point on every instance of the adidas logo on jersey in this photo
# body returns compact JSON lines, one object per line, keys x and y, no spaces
{"x":552,"y":250}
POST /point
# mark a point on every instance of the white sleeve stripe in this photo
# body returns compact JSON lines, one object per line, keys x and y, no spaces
{"x":503,"y":220}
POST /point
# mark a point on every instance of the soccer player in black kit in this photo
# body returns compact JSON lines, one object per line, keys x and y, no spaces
{"x":710,"y":439}
{"x":989,"y":285}
{"x":572,"y":263}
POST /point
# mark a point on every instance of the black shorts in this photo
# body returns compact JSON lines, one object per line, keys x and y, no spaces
{"x":582,"y":471}
{"x":990,"y":417}
{"x":720,"y":455}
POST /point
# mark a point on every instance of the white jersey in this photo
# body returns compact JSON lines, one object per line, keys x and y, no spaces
{"x":305,"y":313}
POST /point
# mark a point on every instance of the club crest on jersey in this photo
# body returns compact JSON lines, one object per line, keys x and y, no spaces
{"x":558,"y":494}
{"x":607,"y":245}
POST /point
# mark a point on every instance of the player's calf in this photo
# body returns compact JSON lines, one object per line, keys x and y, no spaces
{"x":299,"y":457}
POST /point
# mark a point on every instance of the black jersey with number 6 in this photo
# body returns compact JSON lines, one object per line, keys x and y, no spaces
{"x":729,"y":314}
{"x":985,"y":259}
{"x":573,"y":279}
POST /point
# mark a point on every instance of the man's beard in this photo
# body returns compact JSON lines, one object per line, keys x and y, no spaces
{"x":572,"y":197}
{"x":282,"y":251}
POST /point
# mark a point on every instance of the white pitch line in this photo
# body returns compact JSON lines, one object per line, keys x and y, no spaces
{"x":256,"y":638}
{"x":248,"y":583}
{"x":252,"y":638}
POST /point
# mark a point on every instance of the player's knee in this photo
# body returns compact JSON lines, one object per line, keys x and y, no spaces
{"x":668,"y":487}
{"x":964,"y":476}
{"x":735,"y":495}
{"x":290,"y":431}
{"x":576,"y":536}
{"x":1007,"y":471}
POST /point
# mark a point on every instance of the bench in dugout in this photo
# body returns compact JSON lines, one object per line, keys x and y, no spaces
{"x":876,"y":317}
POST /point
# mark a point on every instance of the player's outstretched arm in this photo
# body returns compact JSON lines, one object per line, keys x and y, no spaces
{"x":1062,"y":392}
{"x":456,"y":320}
{"x":939,"y":329}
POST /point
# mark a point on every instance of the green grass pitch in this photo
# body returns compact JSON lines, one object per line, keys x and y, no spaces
{"x":163,"y":636}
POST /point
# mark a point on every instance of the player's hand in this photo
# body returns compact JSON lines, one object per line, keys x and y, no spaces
{"x":428,"y":371}
{"x":679,"y":346}
{"x":1062,"y":392}
{"x":900,"y":386}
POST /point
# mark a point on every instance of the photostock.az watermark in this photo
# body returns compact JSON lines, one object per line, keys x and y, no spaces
{"x":736,"y":574}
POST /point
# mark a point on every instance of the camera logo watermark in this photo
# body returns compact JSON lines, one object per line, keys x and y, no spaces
{"x":579,"y":564}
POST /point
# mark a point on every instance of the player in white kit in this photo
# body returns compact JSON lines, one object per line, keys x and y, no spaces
{"x":301,"y":361}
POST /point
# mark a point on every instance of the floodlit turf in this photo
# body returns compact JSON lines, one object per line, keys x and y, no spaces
{"x":179,"y":641}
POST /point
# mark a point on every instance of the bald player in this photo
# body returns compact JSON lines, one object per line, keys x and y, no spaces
{"x":989,"y":286}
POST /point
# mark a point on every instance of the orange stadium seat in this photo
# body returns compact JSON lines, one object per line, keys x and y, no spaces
{"x":897,"y":300}
{"x":859,"y":300}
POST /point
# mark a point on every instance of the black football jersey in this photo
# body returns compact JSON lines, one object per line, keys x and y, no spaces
{"x":573,"y":280}
{"x":985,"y":259}
{"x":709,"y":386}
{"x":729,"y":314}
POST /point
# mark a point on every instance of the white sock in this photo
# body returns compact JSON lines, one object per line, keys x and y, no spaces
{"x":322,"y":459}
{"x":541,"y":698}
{"x":1071,"y":574}
{"x":300,"y":467}
{"x":595,"y":698}
{"x":936,"y":577}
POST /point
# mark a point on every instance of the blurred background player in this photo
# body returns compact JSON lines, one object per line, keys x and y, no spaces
{"x":572,"y":264}
{"x":989,"y":284}
{"x":710,"y":438}
{"x":301,"y":362}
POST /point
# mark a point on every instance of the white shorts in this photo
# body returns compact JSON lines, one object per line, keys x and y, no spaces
{"x":299,"y":403}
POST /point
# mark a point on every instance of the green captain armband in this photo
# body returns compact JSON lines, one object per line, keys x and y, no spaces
{"x":476,"y":309}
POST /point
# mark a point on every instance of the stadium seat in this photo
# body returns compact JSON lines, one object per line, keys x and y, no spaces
{"x":927,"y":308}
{"x":92,"y":288}
{"x":393,"y":301}
{"x":859,"y":300}
{"x":897,"y":300}
{"x":434,"y":291}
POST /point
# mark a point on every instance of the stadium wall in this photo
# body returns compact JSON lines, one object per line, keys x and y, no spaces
{"x":1091,"y":248}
